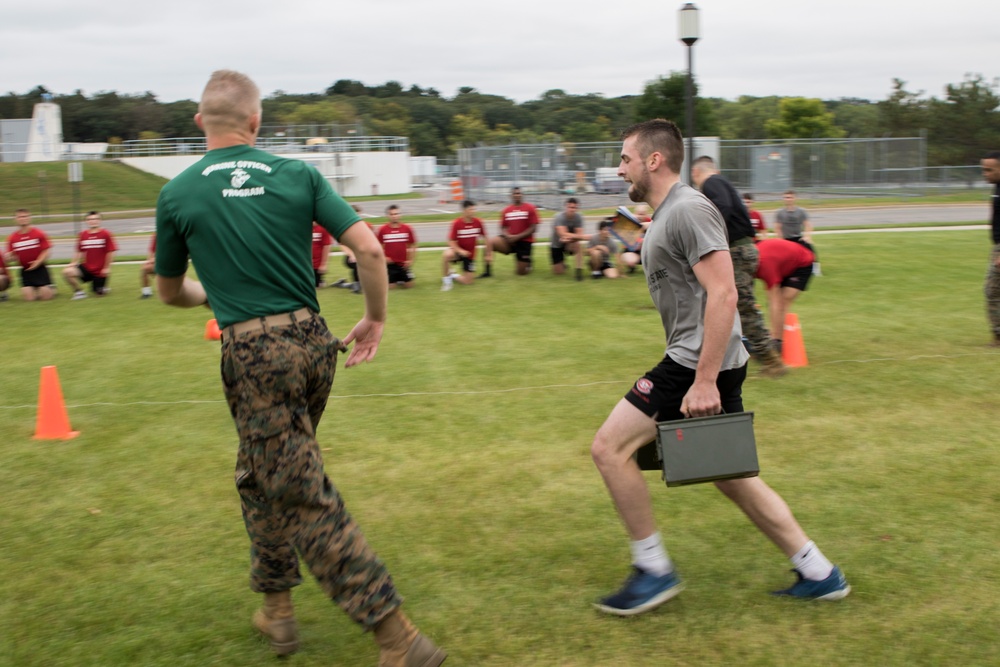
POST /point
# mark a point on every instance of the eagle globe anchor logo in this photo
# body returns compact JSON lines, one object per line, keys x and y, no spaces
{"x":238,"y":178}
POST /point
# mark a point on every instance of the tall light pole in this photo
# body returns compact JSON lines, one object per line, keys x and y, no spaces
{"x":687,"y":25}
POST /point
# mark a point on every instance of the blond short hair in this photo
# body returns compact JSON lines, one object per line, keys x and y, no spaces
{"x":228,"y":101}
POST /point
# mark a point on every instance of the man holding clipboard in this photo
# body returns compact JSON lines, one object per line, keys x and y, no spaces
{"x":685,"y":256}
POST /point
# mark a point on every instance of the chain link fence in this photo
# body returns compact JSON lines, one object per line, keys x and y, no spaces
{"x":819,"y":168}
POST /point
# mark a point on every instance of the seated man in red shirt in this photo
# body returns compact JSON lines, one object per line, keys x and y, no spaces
{"x":92,"y":263}
{"x":30,"y":247}
{"x":462,"y":239}
{"x":321,"y":242}
{"x":4,"y":279}
{"x":400,"y":246}
{"x":785,"y":267}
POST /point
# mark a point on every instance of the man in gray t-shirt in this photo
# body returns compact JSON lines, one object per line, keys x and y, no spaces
{"x":793,"y":221}
{"x":689,"y":272}
{"x":567,"y":234}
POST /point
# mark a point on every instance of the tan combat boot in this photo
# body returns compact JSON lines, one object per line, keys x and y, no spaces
{"x":276,"y":621}
{"x":403,"y":646}
{"x":771,"y":365}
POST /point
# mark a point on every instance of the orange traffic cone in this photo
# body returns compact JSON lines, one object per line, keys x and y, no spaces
{"x":52,"y":422}
{"x":212,"y":330}
{"x":793,"y":350}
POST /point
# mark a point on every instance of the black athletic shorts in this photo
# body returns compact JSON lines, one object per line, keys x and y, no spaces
{"x":558,"y":254}
{"x":659,"y":392}
{"x":468,"y":264}
{"x":800,"y":279}
{"x":522,"y":250}
{"x":38,"y":277}
{"x":399,"y":274}
{"x":88,"y":277}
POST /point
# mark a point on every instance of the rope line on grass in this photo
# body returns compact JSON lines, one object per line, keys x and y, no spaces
{"x":509,"y":390}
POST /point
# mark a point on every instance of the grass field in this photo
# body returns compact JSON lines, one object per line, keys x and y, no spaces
{"x":463,"y":451}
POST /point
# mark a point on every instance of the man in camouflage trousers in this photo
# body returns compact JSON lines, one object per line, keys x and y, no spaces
{"x":245,"y":219}
{"x":991,"y":172}
{"x":739,"y":229}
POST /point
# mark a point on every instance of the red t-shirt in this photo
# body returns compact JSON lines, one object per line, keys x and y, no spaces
{"x":780,"y":258}
{"x":95,"y":246}
{"x":322,"y":240}
{"x":516,"y":219}
{"x":757,"y":220}
{"x":466,"y":232}
{"x":395,"y":241}
{"x":28,"y":245}
{"x":3,"y":266}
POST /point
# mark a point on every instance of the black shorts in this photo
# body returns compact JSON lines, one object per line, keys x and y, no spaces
{"x":522,"y":250}
{"x":659,"y":393}
{"x":87,"y":277}
{"x":800,"y":279}
{"x":399,"y":274}
{"x":38,"y":277}
{"x":468,"y":264}
{"x":558,"y":254}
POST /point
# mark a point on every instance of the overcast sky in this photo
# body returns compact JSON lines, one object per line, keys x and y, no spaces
{"x":517,"y":48}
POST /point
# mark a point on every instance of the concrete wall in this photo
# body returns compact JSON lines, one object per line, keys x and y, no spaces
{"x":350,"y":174}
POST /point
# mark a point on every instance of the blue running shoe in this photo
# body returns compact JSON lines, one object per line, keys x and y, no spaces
{"x":641,"y":592}
{"x":834,"y":587}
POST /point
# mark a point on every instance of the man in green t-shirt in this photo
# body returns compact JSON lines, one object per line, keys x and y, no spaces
{"x":244,"y":217}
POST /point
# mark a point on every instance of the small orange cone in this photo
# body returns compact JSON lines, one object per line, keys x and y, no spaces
{"x":793,"y":350}
{"x":212,"y":330}
{"x":52,"y":422}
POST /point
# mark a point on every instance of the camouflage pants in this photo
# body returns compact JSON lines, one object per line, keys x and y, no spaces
{"x":277,"y":383}
{"x":992,"y":290}
{"x":745,"y":260}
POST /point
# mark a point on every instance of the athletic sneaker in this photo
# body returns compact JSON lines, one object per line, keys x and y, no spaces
{"x":342,"y":282}
{"x":3,"y":296}
{"x":356,"y":288}
{"x":79,"y":295}
{"x":641,"y":592}
{"x":446,"y":286}
{"x":834,"y":587}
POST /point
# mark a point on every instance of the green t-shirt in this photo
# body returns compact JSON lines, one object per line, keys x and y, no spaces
{"x":244,"y":217}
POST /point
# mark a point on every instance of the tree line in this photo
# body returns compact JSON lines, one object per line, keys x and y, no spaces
{"x":960,"y":126}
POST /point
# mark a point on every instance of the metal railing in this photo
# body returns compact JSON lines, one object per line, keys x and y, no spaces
{"x":286,"y":144}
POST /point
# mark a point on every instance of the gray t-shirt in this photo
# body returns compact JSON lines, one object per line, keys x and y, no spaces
{"x":572,"y":224}
{"x":792,"y":222}
{"x":685,"y":228}
{"x":609,"y":243}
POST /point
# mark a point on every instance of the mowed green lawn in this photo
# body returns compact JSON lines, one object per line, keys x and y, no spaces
{"x":463,"y":451}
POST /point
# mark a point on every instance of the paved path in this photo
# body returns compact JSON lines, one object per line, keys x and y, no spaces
{"x":436,"y":232}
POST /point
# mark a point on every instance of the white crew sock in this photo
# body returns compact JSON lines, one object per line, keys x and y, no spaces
{"x":811,"y":562}
{"x":649,"y":555}
{"x":447,"y":279}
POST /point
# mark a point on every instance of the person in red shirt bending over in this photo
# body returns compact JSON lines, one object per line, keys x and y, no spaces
{"x":400,"y":246}
{"x":465,"y":232}
{"x":92,"y":262}
{"x":517,"y":233}
{"x":29,"y":247}
{"x":785,"y":267}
